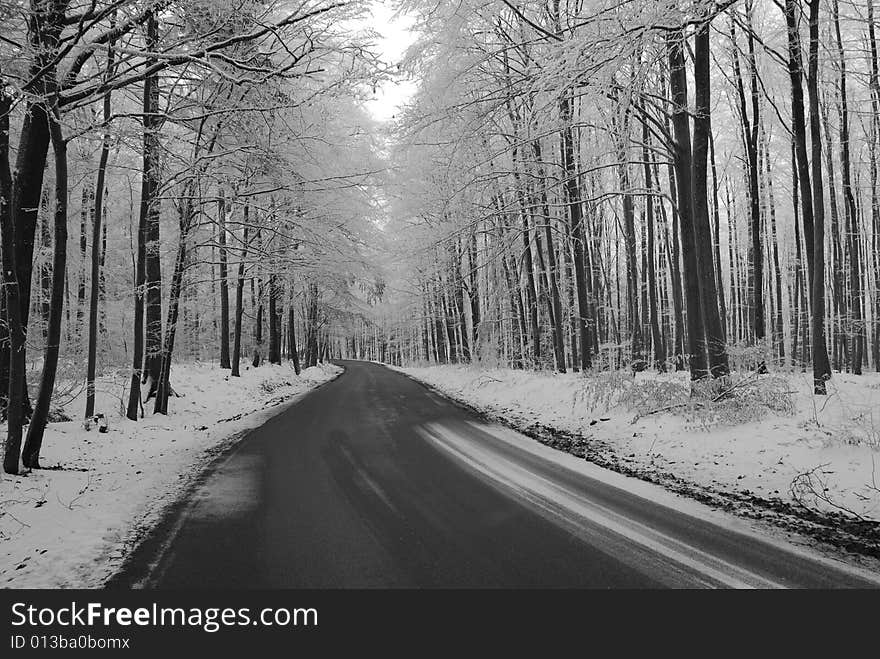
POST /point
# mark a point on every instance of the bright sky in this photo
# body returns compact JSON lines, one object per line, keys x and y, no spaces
{"x":395,"y":39}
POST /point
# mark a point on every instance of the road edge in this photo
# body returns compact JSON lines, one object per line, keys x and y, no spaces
{"x":160,"y":530}
{"x":813,"y":528}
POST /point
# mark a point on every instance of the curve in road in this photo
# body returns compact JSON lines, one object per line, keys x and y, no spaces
{"x":373,"y":480}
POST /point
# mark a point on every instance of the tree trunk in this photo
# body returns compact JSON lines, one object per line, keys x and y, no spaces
{"x":45,"y":262}
{"x":239,"y":299}
{"x":85,"y":211}
{"x":531,"y":302}
{"x":26,"y":189}
{"x":716,"y":237}
{"x":257,"y":305}
{"x":673,"y":252}
{"x":149,"y":212}
{"x":554,"y":304}
{"x":755,"y":271}
{"x":656,"y":337}
{"x":274,"y":329}
{"x":821,"y":367}
{"x":14,"y":390}
{"x":312,"y":328}
{"x":778,"y":333}
{"x":34,"y":441}
{"x":875,"y":194}
{"x":153,"y":261}
{"x":637,"y":358}
{"x":291,"y":332}
{"x":459,"y":285}
{"x":224,"y":284}
{"x":682,"y":159}
{"x":797,"y":305}
{"x":258,"y":334}
{"x":474,"y":292}
{"x":812,"y":216}
{"x":852,"y":219}
{"x":575,"y":220}
{"x":163,"y":386}
{"x":98,"y":231}
{"x":716,"y":341}
{"x":838,"y":284}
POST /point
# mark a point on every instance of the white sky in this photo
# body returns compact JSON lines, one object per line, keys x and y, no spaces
{"x":395,"y":39}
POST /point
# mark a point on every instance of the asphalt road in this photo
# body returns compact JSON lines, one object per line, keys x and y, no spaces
{"x":374,"y":481}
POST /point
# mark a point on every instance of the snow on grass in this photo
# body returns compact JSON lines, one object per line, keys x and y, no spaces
{"x":771,"y":439}
{"x":71,"y":527}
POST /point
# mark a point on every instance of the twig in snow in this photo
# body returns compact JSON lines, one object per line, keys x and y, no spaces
{"x":809,"y":483}
{"x":78,"y":496}
{"x":873,"y":485}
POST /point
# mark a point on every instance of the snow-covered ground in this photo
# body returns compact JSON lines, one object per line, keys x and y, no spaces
{"x":770,"y":439}
{"x":71,"y":527}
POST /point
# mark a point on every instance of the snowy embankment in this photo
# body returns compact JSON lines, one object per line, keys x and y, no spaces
{"x":768,"y":449}
{"x":71,"y":525}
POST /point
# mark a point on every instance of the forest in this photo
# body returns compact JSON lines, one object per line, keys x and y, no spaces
{"x":639,"y":185}
{"x":573,"y":186}
{"x":180,"y":181}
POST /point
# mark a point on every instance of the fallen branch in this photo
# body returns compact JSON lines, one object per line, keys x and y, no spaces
{"x":699,"y":404}
{"x":78,"y":496}
{"x":806,"y":483}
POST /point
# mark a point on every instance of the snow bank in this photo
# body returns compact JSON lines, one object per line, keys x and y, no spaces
{"x":823,"y":452}
{"x":71,"y":527}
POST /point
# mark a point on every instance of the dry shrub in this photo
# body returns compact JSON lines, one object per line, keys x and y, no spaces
{"x":269,"y":385}
{"x":487,"y":352}
{"x":603,"y":390}
{"x":744,"y":357}
{"x":713,"y":403}
{"x":861,"y":429}
{"x":649,"y":396}
{"x":69,"y":383}
{"x":742,"y":401}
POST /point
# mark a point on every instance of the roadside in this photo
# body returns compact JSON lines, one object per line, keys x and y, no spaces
{"x":71,"y":525}
{"x":770,"y":451}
